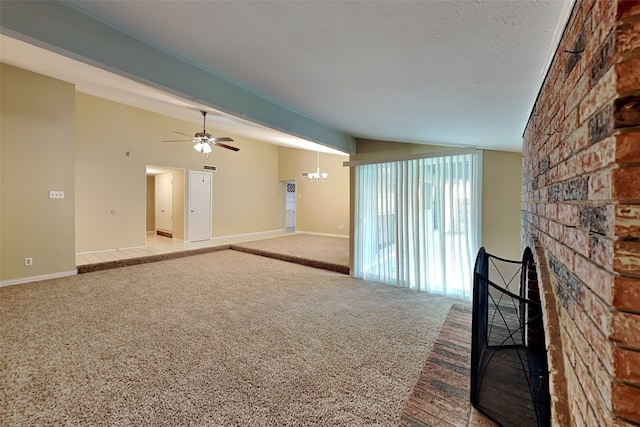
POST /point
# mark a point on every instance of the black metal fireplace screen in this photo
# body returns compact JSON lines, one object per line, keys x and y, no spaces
{"x":509,"y":372}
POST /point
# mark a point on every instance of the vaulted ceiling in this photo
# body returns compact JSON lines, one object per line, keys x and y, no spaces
{"x":462,"y":73}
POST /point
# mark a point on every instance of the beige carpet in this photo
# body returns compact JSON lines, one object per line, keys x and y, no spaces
{"x":329,"y":253}
{"x":221,"y":339}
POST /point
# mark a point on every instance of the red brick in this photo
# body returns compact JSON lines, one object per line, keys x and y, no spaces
{"x":591,"y":391}
{"x":595,"y":42}
{"x":564,"y":255}
{"x":600,"y":186}
{"x":627,"y":221}
{"x":543,"y":224}
{"x":626,"y":293}
{"x":628,"y":37}
{"x":627,"y":8}
{"x":556,"y":230}
{"x":602,"y":251}
{"x":620,"y":423}
{"x":625,"y":402}
{"x":577,"y":239}
{"x":625,"y":329}
{"x":554,"y":158}
{"x":577,"y":141}
{"x":571,"y":122}
{"x":598,"y":280}
{"x":568,"y":214}
{"x":593,"y":346}
{"x":591,"y":149}
{"x":626,"y":183}
{"x":627,"y":257}
{"x":628,"y":73}
{"x":604,"y":13}
{"x":626,"y":365}
{"x":592,"y":419}
{"x":599,"y":155}
{"x":602,"y":93}
{"x":599,"y":312}
{"x":577,"y":94}
{"x":628,"y":147}
{"x":594,"y":380}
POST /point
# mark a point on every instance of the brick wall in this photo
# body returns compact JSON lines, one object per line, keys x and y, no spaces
{"x":581,"y":213}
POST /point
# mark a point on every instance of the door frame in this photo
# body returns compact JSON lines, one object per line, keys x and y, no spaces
{"x":161,"y":196}
{"x":180,"y":223}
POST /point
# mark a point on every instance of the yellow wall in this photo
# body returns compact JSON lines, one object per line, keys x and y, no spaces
{"x":115,"y":143}
{"x":37,"y":117}
{"x":178,"y":206}
{"x":501,"y":195}
{"x":501,"y":175}
{"x":321,"y":207}
{"x":95,"y":150}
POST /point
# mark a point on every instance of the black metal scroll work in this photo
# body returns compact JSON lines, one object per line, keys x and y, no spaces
{"x":509,"y":374}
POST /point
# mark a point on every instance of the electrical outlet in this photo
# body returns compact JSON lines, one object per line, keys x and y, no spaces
{"x":56,"y":194}
{"x":28,"y":261}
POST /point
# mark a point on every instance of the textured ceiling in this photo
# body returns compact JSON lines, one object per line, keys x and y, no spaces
{"x":434,"y":72}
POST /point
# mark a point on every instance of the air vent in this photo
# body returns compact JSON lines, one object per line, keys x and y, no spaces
{"x":210,"y":168}
{"x":305,"y":174}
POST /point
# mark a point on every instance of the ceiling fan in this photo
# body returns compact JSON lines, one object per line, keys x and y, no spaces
{"x":204,"y":141}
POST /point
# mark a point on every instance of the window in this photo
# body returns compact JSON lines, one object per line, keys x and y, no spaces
{"x":417,"y":222}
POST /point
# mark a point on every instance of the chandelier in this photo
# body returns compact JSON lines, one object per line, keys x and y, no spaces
{"x":317,"y":175}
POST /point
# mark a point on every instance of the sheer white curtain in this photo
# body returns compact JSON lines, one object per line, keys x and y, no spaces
{"x":417,"y":223}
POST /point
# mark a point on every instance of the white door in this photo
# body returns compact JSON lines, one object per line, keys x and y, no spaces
{"x":199,"y":205}
{"x":164,"y":202}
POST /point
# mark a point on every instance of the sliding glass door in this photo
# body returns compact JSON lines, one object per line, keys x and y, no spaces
{"x":417,"y":222}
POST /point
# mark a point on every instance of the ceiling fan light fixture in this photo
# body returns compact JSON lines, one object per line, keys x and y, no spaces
{"x":203,"y":141}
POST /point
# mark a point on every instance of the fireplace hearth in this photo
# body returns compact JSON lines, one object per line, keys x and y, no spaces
{"x":509,"y":371}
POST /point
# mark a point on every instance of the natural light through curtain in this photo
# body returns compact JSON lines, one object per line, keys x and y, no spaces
{"x":417,"y":223}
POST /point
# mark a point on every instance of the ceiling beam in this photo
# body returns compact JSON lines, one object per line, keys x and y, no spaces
{"x":59,"y":28}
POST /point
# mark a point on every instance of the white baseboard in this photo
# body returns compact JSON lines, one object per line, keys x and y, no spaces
{"x":110,"y":250}
{"x":237,"y":238}
{"x":323,"y":234}
{"x":39,"y":278}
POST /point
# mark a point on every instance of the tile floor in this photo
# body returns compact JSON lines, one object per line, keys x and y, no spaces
{"x":158,"y":245}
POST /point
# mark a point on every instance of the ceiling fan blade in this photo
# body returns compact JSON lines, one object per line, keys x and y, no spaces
{"x":178,"y":140}
{"x":185,"y":134}
{"x":228,"y":147}
{"x":224,"y":138}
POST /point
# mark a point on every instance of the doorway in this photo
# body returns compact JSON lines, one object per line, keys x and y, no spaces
{"x":200,"y":196}
{"x":165,"y":202}
{"x":290,"y":205}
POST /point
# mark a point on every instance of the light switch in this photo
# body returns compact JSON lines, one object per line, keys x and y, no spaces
{"x":54,"y":194}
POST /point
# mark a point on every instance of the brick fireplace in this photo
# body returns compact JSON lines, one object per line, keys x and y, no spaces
{"x":581,"y":214}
